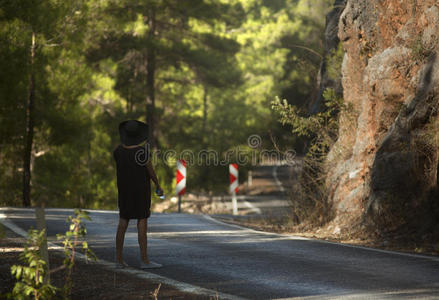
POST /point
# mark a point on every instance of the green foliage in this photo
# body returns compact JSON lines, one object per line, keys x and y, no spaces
{"x":59,"y":79}
{"x":71,"y":241}
{"x":333,"y":62}
{"x":311,"y":203}
{"x":30,"y":277}
{"x":31,"y":283}
{"x":217,"y":65}
{"x":312,"y":125}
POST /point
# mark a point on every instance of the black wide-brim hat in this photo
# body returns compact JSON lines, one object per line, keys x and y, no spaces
{"x":133,"y":132}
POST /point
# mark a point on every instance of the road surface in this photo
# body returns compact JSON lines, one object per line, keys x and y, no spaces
{"x":244,"y":263}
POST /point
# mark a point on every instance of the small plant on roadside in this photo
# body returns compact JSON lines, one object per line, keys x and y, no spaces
{"x":322,"y":130}
{"x":71,"y":240}
{"x":31,"y":283}
{"x":155,"y":294}
{"x":214,"y":298}
{"x":30,"y":278}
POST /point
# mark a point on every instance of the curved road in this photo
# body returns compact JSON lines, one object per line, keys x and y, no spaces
{"x":199,"y":250}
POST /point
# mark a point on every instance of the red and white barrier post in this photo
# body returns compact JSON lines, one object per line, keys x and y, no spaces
{"x":181,"y":181}
{"x":233,"y":170}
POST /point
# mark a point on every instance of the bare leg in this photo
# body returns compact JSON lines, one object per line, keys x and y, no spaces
{"x":120,"y":236}
{"x":142,"y":225}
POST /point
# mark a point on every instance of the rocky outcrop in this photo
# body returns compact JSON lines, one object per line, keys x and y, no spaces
{"x":384,"y":163}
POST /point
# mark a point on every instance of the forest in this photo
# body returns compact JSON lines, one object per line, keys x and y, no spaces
{"x":202,"y":73}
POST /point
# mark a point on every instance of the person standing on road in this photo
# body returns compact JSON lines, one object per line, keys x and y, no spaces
{"x":134,"y":172}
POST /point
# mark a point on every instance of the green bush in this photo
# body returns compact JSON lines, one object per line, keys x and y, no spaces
{"x":31,"y":278}
{"x":31,"y":283}
{"x":310,"y":203}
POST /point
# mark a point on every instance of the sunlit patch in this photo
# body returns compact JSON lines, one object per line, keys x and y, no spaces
{"x":21,"y":249}
{"x":11,"y":249}
{"x":202,"y":232}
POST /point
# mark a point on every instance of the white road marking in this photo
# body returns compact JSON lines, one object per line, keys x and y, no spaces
{"x":242,"y":204}
{"x":203,"y":232}
{"x":249,"y":230}
{"x":252,"y":207}
{"x":279,"y":184}
{"x":181,"y":286}
{"x":415,"y":293}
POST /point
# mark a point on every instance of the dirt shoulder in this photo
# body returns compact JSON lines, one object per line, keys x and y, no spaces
{"x":410,"y":242}
{"x":90,"y":281}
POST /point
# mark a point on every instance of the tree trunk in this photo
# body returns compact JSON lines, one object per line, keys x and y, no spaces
{"x":150,"y":80}
{"x":29,"y":132}
{"x":204,"y":140}
{"x":204,"y":115}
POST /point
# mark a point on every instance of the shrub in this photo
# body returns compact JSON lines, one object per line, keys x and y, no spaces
{"x":30,"y":277}
{"x":31,"y":281}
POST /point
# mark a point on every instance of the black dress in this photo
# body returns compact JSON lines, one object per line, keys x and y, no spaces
{"x":133,"y":183}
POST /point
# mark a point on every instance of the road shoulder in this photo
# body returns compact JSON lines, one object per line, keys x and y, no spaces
{"x":90,"y":280}
{"x":409,"y":245}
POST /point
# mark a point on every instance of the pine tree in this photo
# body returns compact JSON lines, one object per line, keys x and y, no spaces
{"x":161,"y":36}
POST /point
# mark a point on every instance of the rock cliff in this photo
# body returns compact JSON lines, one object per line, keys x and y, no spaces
{"x":383,"y":167}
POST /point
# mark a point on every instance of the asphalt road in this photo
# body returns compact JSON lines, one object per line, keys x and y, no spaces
{"x":198,"y":250}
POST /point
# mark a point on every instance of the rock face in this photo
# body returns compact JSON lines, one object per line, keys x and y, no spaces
{"x":384,"y":163}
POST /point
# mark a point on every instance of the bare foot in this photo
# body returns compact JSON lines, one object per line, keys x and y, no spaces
{"x":146,"y":261}
{"x":150,"y":265}
{"x":121,"y":264}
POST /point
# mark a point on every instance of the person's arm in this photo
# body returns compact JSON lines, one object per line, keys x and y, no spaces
{"x":153,"y":176}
